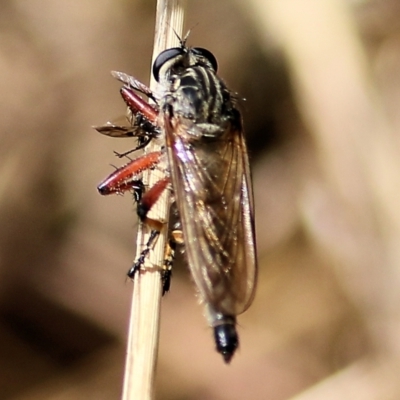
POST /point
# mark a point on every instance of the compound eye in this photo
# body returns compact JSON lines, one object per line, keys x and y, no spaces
{"x":163,"y":57}
{"x":207,"y":55}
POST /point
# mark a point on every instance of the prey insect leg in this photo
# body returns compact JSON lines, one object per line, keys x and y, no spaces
{"x":145,"y":204}
{"x":144,"y":116}
{"x":124,"y":179}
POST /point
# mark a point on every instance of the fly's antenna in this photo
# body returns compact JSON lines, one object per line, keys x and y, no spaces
{"x":183,"y":41}
{"x":185,"y":38}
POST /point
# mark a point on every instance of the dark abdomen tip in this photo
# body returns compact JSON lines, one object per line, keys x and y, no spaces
{"x":226,"y":340}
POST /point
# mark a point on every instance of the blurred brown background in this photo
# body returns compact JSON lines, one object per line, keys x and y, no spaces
{"x":321,"y":81}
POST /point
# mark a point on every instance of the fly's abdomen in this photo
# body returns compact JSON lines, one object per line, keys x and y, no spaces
{"x":225,"y":335}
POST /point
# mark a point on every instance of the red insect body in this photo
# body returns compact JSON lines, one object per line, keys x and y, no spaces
{"x":137,"y":104}
{"x":151,"y":196}
{"x":121,"y":180}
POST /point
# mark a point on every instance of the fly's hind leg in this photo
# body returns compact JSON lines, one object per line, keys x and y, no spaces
{"x":166,"y":274}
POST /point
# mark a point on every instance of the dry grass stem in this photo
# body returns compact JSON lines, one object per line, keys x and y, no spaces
{"x":145,"y":310}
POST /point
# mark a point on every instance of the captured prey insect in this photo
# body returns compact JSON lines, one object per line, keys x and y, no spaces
{"x":208,"y":171}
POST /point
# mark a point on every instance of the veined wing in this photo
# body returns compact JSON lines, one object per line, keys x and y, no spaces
{"x":212,"y":186}
{"x":118,"y":131}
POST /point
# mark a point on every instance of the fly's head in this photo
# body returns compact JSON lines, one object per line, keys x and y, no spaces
{"x":177,"y":60}
{"x":194,"y":97}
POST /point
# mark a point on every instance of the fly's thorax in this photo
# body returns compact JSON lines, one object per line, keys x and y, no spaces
{"x":200,"y":100}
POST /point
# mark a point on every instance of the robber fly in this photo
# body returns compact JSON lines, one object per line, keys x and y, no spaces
{"x":208,"y":171}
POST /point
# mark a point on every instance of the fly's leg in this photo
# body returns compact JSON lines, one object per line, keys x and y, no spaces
{"x":166,"y":274}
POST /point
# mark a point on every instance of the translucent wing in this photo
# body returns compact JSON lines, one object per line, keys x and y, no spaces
{"x":118,"y":131}
{"x":211,"y":181}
